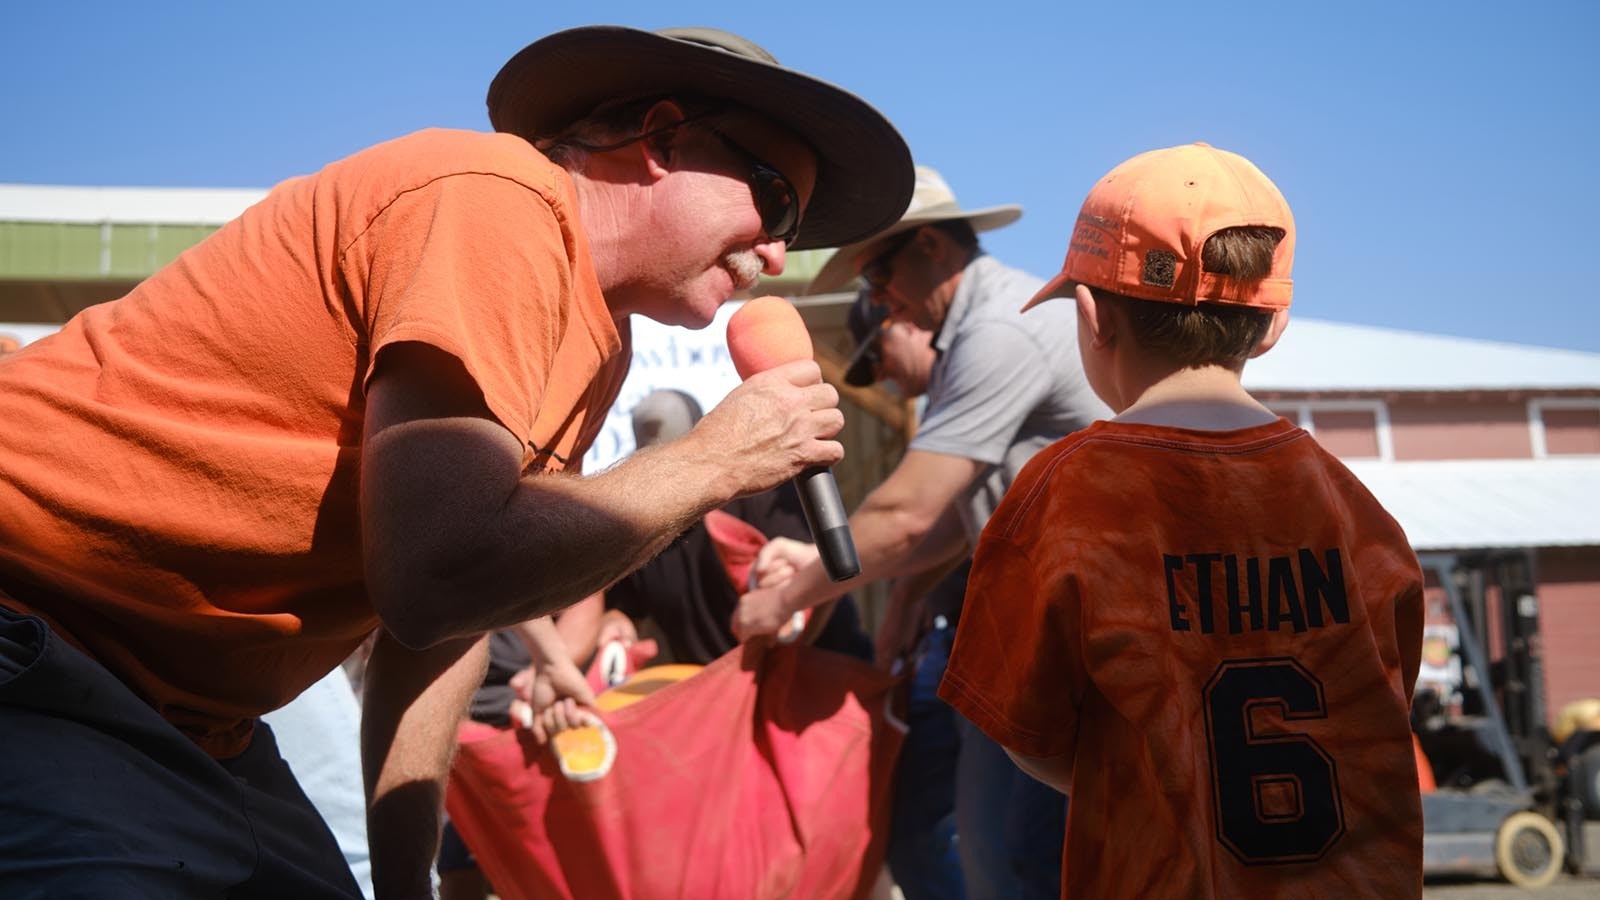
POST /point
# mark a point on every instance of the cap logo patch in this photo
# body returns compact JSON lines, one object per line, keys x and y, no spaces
{"x":1160,"y":268}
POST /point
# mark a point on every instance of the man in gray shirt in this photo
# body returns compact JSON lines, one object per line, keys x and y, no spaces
{"x":1001,"y":389}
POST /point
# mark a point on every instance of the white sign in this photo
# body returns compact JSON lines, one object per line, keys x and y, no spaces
{"x":695,"y":362}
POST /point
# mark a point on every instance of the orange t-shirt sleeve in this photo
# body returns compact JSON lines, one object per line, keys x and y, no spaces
{"x":478,"y":266}
{"x":1014,"y":670}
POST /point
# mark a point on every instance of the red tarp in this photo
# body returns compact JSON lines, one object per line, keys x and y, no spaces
{"x":767,"y":774}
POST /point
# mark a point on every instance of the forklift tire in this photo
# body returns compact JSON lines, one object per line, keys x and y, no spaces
{"x":1528,"y":850}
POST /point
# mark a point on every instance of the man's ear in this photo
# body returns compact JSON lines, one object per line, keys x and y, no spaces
{"x":1095,"y":317}
{"x":658,"y":149}
{"x":926,"y":241}
{"x":1280,"y":321}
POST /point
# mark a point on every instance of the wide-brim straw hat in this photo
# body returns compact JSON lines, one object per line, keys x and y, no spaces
{"x":864,"y":177}
{"x":932,"y":200}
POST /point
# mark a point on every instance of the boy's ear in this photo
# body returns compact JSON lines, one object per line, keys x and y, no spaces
{"x":1280,"y":321}
{"x":1094,"y":316}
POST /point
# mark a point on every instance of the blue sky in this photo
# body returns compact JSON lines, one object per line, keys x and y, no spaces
{"x":1441,"y":158}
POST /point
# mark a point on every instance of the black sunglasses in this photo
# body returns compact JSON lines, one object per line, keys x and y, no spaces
{"x":773,"y":193}
{"x":880,"y":271}
{"x":862,"y":368}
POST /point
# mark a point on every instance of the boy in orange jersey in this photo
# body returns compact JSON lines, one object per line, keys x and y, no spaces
{"x":1191,"y":617}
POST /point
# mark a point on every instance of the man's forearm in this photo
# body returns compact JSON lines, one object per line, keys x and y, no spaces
{"x":592,"y":530}
{"x":557,"y":540}
{"x":413,"y":701}
{"x":457,"y":541}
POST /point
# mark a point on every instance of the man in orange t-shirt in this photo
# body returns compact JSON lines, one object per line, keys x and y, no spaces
{"x":1191,"y":618}
{"x":360,"y":407}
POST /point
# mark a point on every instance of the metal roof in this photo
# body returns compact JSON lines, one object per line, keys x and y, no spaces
{"x":1317,"y":355}
{"x":1459,"y":504}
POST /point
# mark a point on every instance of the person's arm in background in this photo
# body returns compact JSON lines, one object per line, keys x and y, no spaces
{"x":942,"y":549}
{"x":553,"y":687}
{"x":889,"y":530}
{"x":457,"y":541}
{"x":413,"y":703}
{"x":579,"y":627}
{"x":552,"y":691}
{"x":903,"y":619}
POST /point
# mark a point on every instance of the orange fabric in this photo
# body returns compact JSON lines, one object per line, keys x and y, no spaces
{"x":1219,"y":632}
{"x":1425,"y":778}
{"x":763,"y":776}
{"x":642,"y":684}
{"x":178,"y":468}
{"x":737,"y":542}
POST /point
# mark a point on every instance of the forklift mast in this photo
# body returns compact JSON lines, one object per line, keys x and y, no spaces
{"x":1522,"y":684}
{"x":1505,"y":653}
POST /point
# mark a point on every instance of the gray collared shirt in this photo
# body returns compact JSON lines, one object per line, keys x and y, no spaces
{"x":1006,"y":383}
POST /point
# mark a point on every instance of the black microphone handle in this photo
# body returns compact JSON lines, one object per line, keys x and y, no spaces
{"x":829,"y":524}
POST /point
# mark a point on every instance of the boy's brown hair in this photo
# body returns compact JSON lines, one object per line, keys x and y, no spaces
{"x":1208,"y":334}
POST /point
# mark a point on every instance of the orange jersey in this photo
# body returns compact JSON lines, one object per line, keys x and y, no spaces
{"x":178,"y":468}
{"x":1220,"y":632}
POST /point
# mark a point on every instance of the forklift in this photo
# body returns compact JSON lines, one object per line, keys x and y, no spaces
{"x":1508,"y":798}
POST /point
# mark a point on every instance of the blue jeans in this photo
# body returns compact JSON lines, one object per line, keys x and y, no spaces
{"x":923,"y":854}
{"x":967,"y":822}
{"x":101,"y":797}
{"x":1012,"y":825}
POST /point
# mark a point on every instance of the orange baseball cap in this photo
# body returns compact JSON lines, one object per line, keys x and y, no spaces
{"x":1141,"y":228}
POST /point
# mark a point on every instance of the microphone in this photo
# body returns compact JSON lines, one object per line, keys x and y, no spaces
{"x":768,"y":332}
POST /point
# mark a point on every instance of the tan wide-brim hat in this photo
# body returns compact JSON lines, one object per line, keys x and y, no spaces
{"x":931,"y":201}
{"x":864,"y":177}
